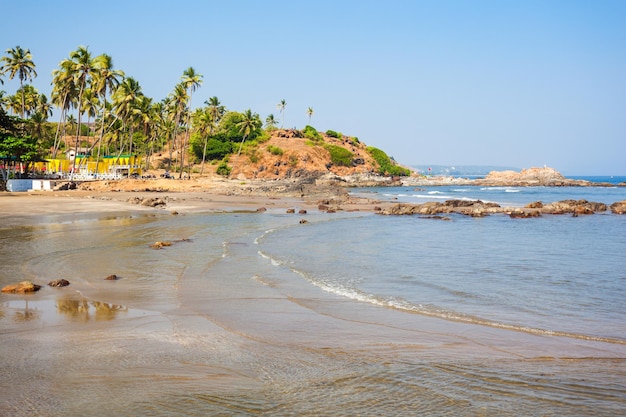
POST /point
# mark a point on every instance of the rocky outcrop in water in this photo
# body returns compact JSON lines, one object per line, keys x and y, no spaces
{"x":618,"y":207}
{"x":573,"y":207}
{"x":478,"y":208}
{"x":21,"y":288}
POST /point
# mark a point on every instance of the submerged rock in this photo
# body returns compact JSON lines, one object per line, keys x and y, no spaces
{"x":21,"y":288}
{"x":112,"y":277}
{"x":59,"y":283}
{"x":160,"y":245}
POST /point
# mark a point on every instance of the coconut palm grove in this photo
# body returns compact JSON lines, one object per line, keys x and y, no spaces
{"x":103,"y":116}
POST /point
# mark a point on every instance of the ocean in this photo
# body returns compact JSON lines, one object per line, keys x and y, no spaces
{"x":347,"y":314}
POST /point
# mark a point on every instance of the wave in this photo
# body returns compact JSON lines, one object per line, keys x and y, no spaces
{"x":505,"y":189}
{"x":401,"y":304}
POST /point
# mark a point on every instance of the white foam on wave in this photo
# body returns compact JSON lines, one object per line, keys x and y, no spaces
{"x":402,"y":304}
{"x":430,"y":197}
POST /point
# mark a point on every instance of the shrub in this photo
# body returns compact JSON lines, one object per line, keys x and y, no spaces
{"x":339,"y":155}
{"x":333,"y":134}
{"x":311,"y":133}
{"x":223,"y":169}
{"x":253,"y":155}
{"x":274,"y":150}
{"x":385,"y":165}
{"x":293,"y":160}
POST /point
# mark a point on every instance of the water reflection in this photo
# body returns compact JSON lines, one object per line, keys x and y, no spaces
{"x":63,"y":309}
{"x":27,"y":314}
{"x":86,"y":310}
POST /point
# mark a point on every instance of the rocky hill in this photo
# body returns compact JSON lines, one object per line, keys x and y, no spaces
{"x":288,"y":154}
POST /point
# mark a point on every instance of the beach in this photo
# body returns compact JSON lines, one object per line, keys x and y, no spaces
{"x":252,"y":312}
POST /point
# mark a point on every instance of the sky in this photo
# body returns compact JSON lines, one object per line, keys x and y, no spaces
{"x":484,"y":82}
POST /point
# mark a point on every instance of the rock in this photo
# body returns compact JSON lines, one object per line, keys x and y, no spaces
{"x":302,"y":211}
{"x":66,"y":185}
{"x":619,"y":207}
{"x":261,"y":209}
{"x":524,"y":214}
{"x":148,"y":202}
{"x":153,"y":202}
{"x":112,"y":277}
{"x":573,"y":206}
{"x":534,"y":205}
{"x":59,"y":283}
{"x":160,"y":245}
{"x":21,"y":288}
{"x":290,"y":211}
{"x":303,"y":221}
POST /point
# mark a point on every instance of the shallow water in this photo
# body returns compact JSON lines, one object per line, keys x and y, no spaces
{"x":349,"y":314}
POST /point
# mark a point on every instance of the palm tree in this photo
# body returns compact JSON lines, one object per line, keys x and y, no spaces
{"x":216,"y":109}
{"x":64,"y":92}
{"x":281,"y":106}
{"x":125,"y":99}
{"x":105,"y":80}
{"x":18,"y":62}
{"x":176,"y":109}
{"x":203,"y":125}
{"x":82,"y":65}
{"x":192,"y":81}
{"x":270,"y":122}
{"x":310,"y":112}
{"x":247,"y":125}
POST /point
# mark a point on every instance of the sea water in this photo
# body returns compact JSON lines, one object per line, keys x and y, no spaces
{"x":346,"y":314}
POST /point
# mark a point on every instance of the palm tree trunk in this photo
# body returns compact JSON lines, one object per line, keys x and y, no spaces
{"x":80,"y":99}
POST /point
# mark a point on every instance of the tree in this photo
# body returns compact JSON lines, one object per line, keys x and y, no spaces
{"x":15,"y":145}
{"x":203,"y":125}
{"x":64,"y":93}
{"x":175,"y":104}
{"x":310,"y":112}
{"x":249,"y":123}
{"x":18,"y":62}
{"x":82,"y":66}
{"x":191,"y":81}
{"x":281,"y":106}
{"x":125,"y":99}
{"x":270,"y":122}
{"x":105,"y":80}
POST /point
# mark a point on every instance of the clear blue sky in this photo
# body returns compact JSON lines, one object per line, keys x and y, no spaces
{"x":508,"y":83}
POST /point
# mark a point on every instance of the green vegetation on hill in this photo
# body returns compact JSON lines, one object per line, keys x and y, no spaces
{"x":385,"y":165}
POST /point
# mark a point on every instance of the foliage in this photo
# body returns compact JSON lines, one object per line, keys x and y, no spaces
{"x":385,"y":165}
{"x":311,"y":133}
{"x":23,"y":149}
{"x":274,"y":150}
{"x":217,"y":146}
{"x":223,"y":169}
{"x":293,"y":160}
{"x":230,"y":126}
{"x":333,"y":134}
{"x":340,"y":155}
{"x":254,"y":156}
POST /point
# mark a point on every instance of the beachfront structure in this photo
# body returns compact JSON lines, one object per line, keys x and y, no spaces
{"x":89,"y":167}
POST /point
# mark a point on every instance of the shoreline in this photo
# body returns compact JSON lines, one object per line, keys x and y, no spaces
{"x":288,"y":196}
